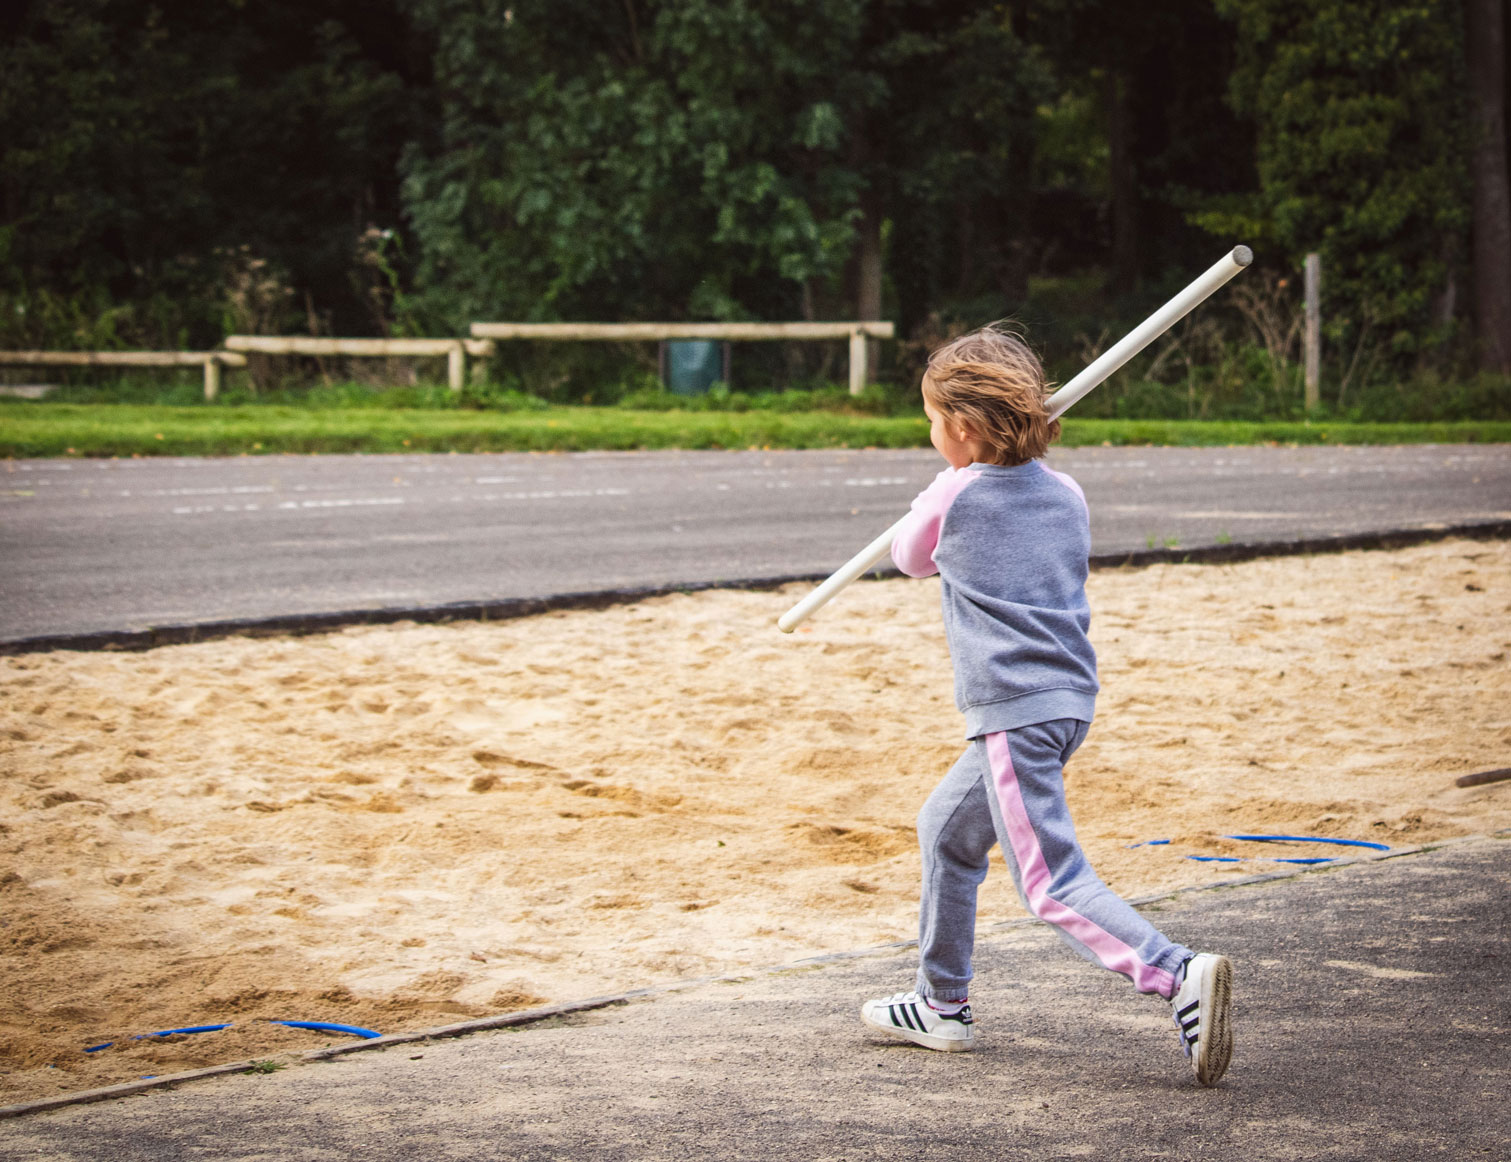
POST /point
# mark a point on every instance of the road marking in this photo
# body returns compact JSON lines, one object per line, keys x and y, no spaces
{"x":372,"y":501}
{"x":224,"y":491}
{"x":190,"y":509}
{"x":541,"y":494}
{"x":343,"y":502}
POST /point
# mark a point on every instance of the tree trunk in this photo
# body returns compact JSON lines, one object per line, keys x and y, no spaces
{"x":1485,"y":34}
{"x":1123,"y":177}
{"x":868,"y":262}
{"x":868,"y":271}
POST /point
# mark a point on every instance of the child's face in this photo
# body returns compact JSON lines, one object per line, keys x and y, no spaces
{"x":952,"y":441}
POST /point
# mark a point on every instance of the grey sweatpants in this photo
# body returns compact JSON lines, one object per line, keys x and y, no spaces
{"x":1007,"y":789}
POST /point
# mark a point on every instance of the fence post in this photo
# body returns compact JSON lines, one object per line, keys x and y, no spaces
{"x":456,"y":367}
{"x":1313,"y":327}
{"x":857,"y":362}
{"x":212,"y":378}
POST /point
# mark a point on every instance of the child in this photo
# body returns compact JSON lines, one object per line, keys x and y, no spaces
{"x":1010,"y":539}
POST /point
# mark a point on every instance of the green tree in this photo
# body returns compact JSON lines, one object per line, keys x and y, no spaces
{"x":1359,"y":108}
{"x":701,"y":159}
{"x":148,"y":144}
{"x":1486,"y":26}
{"x":666,"y":162}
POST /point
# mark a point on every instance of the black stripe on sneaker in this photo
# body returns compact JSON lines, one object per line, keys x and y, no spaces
{"x":910,"y":1015}
{"x":1188,"y":1010}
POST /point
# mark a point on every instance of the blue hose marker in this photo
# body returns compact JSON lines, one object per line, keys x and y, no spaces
{"x":164,"y":1033}
{"x":328,"y":1027}
{"x":1311,"y":839}
{"x":185,"y":1029}
{"x":1314,"y":859}
{"x":319,"y":1026}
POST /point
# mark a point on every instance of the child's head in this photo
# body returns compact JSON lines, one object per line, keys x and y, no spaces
{"x":988,"y":392}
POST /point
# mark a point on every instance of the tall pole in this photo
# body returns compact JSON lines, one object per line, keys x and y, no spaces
{"x":1215,"y":277}
{"x":1313,"y":328}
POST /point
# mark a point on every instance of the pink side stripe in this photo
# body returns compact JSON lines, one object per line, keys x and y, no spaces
{"x":1107,"y":948}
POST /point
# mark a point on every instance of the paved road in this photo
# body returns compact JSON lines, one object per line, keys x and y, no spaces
{"x":1370,"y":1013}
{"x":91,"y":546}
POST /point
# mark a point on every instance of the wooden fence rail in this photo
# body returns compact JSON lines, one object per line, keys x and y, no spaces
{"x":856,"y":331}
{"x":455,"y":350}
{"x":211,"y":361}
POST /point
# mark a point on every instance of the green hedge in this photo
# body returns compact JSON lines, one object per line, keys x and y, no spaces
{"x":44,"y":429}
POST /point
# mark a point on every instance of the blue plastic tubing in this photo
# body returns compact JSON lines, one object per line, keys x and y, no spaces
{"x":322,"y":1026}
{"x":1275,"y":839}
{"x":1311,"y":839}
{"x":165,"y":1033}
{"x":328,"y":1027}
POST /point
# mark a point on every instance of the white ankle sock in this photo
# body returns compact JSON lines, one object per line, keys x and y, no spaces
{"x":947,"y":1008}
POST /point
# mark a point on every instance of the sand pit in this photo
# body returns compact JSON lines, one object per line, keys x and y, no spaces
{"x":405,"y":826}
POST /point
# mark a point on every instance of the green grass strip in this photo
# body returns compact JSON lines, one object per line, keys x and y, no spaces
{"x":30,"y":429}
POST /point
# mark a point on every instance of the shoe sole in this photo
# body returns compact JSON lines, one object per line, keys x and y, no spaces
{"x":1215,"y":1047}
{"x":927,"y":1040}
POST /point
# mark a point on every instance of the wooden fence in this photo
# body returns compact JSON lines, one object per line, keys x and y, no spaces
{"x":857,"y":332}
{"x":212,"y":361}
{"x":457,"y":351}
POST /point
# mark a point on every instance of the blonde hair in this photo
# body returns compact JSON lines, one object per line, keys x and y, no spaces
{"x":991,"y":384}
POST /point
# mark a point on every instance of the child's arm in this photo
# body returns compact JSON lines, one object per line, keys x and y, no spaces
{"x":913,"y":547}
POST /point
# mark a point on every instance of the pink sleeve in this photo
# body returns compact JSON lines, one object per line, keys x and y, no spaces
{"x":913,"y":547}
{"x":1068,"y":482}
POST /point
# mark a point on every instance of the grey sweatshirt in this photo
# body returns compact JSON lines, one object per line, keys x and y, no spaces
{"x":1011,"y":547}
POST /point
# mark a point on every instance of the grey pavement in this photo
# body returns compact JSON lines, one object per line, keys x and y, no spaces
{"x":1373,"y":1016}
{"x":127,"y":545}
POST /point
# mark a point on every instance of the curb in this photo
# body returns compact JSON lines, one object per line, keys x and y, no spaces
{"x":570,"y":1008}
{"x":505,"y":609}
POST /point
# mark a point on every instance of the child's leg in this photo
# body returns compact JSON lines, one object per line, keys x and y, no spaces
{"x":956,"y":836}
{"x":1058,"y":885}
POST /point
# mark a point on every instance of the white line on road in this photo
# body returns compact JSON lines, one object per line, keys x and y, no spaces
{"x":371,"y":501}
{"x":239,"y":489}
{"x":343,"y":503}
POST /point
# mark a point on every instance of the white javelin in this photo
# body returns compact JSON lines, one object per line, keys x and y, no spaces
{"x":1109,"y":361}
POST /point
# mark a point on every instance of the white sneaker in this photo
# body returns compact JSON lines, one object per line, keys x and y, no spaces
{"x":1202,"y":1008}
{"x":909,"y":1016}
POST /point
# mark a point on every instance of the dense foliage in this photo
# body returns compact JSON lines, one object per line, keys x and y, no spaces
{"x":171,"y":171}
{"x":1362,"y":152}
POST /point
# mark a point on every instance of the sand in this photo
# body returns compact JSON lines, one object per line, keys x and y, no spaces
{"x":404,"y":826}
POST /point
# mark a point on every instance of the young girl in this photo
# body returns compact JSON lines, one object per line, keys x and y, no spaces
{"x":1010,"y":539}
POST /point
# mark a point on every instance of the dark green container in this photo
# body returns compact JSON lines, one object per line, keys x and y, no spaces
{"x":692,"y":366}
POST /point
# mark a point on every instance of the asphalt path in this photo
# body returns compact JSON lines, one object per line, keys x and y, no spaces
{"x":123,"y":545}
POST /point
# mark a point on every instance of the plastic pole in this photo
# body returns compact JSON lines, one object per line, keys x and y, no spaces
{"x":1215,"y":277}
